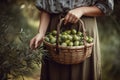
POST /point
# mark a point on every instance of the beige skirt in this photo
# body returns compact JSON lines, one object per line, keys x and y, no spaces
{"x":90,"y":69}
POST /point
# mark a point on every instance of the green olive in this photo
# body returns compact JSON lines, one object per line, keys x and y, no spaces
{"x":76,"y":43}
{"x":73,"y":31}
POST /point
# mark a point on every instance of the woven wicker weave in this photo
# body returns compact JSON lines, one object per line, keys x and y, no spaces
{"x":69,"y":55}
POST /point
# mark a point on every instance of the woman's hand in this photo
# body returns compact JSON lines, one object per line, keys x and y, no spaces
{"x":44,"y":21}
{"x":36,"y":41}
{"x":73,"y":15}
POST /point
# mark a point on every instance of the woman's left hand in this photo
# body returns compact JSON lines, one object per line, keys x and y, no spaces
{"x":73,"y":15}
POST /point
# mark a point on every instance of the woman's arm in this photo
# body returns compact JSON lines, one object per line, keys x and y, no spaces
{"x":44,"y":21}
{"x":91,"y":11}
{"x":74,"y":14}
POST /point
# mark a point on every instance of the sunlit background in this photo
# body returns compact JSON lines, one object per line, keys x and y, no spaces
{"x":19,"y":20}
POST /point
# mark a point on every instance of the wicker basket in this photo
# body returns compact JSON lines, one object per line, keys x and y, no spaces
{"x":69,"y":55}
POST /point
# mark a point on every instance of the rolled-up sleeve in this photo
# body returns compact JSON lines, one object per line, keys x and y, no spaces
{"x":42,"y":5}
{"x":38,"y":4}
{"x":106,"y":6}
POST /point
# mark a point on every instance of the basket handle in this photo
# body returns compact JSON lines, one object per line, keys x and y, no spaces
{"x":81,"y":24}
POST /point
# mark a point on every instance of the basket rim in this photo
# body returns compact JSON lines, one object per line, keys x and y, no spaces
{"x":69,"y":47}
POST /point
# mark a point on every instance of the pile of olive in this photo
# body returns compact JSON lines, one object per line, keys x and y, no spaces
{"x":68,"y":38}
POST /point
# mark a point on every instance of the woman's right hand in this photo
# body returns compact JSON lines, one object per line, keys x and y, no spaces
{"x":36,"y":41}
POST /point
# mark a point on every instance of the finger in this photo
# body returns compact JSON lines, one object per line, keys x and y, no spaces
{"x":76,"y":20}
{"x":32,"y":43}
{"x":66,"y":19}
{"x":73,"y":19}
{"x":36,"y":43}
{"x":70,"y":19}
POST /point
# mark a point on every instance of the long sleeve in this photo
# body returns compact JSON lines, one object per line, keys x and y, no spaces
{"x":51,"y":6}
{"x":42,"y":5}
{"x":61,"y":6}
{"x":106,"y":6}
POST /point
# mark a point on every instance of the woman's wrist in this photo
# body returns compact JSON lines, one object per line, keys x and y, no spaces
{"x":41,"y":34}
{"x":90,"y":11}
{"x":82,"y":10}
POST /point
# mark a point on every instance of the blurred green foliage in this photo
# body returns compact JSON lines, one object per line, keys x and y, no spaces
{"x":109,"y":30}
{"x":18,"y":24}
{"x":16,"y":59}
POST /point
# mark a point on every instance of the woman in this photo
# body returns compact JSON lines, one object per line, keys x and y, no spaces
{"x":72,"y":10}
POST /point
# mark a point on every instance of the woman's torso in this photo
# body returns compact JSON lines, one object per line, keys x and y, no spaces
{"x":58,"y":6}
